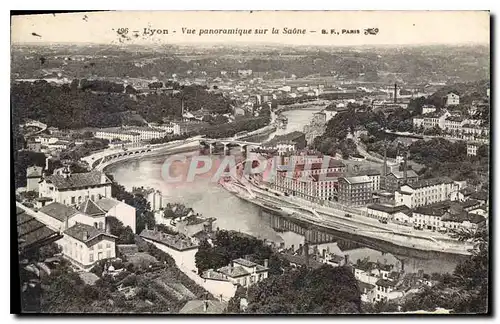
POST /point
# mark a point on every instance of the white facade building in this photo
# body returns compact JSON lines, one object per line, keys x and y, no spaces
{"x":73,"y":188}
{"x":122,"y":135}
{"x":452,"y":99}
{"x":425,"y":192}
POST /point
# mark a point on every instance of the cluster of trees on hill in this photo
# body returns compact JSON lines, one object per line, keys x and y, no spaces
{"x":103,"y":104}
{"x":326,"y":290}
{"x":169,"y":138}
{"x":230,"y":245}
{"x":230,"y":129}
{"x":144,"y":215}
{"x":444,"y":158}
{"x":465,"y":291}
{"x":64,"y":291}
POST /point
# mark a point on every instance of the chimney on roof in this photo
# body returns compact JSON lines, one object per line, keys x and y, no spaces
{"x":108,"y":229}
{"x":85,"y":235}
{"x":346,"y":259}
{"x":395,"y":92}
{"x":266,"y":263}
{"x":384,"y":167}
{"x":47,"y":162}
{"x":205,"y":305}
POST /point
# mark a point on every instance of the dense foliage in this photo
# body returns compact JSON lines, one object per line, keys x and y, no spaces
{"x":25,"y":159}
{"x":144,"y":215}
{"x":325,"y":290}
{"x":103,"y":103}
{"x":466,"y":291}
{"x":230,"y":245}
{"x":124,"y":234}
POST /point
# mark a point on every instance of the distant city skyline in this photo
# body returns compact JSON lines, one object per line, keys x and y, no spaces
{"x":395,"y":27}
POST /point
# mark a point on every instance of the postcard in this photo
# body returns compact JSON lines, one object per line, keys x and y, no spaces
{"x":251,"y":162}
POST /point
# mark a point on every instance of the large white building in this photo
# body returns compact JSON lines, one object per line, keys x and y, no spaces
{"x":73,"y":188}
{"x":240,"y":272}
{"x":431,"y":120}
{"x":427,"y":109}
{"x":33,"y":176}
{"x":313,"y":181}
{"x":85,"y":239}
{"x":425,"y":192}
{"x":106,"y":207}
{"x":452,"y":99}
{"x":122,"y":135}
{"x":84,"y":245}
{"x":148,"y":133}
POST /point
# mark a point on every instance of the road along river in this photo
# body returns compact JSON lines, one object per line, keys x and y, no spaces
{"x":232,"y":213}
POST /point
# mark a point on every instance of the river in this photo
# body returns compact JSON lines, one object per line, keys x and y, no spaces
{"x":232,"y":213}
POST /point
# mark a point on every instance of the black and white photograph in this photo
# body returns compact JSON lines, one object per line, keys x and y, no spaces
{"x":250,"y":163}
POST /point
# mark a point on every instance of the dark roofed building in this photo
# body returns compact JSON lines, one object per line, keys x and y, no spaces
{"x":470,"y":204}
{"x":481,"y":196}
{"x":239,"y":272}
{"x":396,"y":179}
{"x":385,"y":283}
{"x":31,"y":233}
{"x":90,"y":208}
{"x":85,"y":233}
{"x":430,"y":182}
{"x":78,"y":180}
{"x":203,"y":307}
{"x":58,"y":211}
{"x":73,"y":188}
{"x":356,"y":191}
{"x":300,"y":260}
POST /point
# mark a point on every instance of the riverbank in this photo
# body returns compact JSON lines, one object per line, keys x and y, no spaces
{"x":182,"y":148}
{"x":330,"y":218}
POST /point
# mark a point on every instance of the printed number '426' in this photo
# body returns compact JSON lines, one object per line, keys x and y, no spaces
{"x":122,"y":31}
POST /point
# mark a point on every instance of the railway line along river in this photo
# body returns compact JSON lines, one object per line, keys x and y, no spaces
{"x":232,"y":213}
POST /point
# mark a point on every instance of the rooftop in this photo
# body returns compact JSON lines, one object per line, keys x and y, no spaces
{"x":357,"y":179}
{"x":203,"y":307}
{"x":34,"y":172}
{"x":363,"y":285}
{"x":336,"y":258}
{"x":178,"y":242}
{"x":401,"y":174}
{"x":385,"y":283}
{"x":301,"y":260}
{"x":106,"y":203}
{"x":58,"y":211}
{"x":90,"y":208}
{"x":467,"y":191}
{"x":480,"y":195}
{"x":32,"y":233}
{"x":388,"y":208}
{"x":78,"y":180}
{"x":470,"y":203}
{"x":318,"y":166}
{"x":84,"y":233}
{"x":429,"y":182}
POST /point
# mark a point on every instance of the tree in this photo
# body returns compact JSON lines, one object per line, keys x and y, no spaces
{"x":467,"y":290}
{"x":124,"y":234}
{"x":326,"y":290}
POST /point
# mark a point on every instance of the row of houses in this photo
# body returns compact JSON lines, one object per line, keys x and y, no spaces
{"x":442,"y":216}
{"x":455,"y":124}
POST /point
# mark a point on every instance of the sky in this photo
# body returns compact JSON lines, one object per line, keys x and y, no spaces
{"x":395,"y":27}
